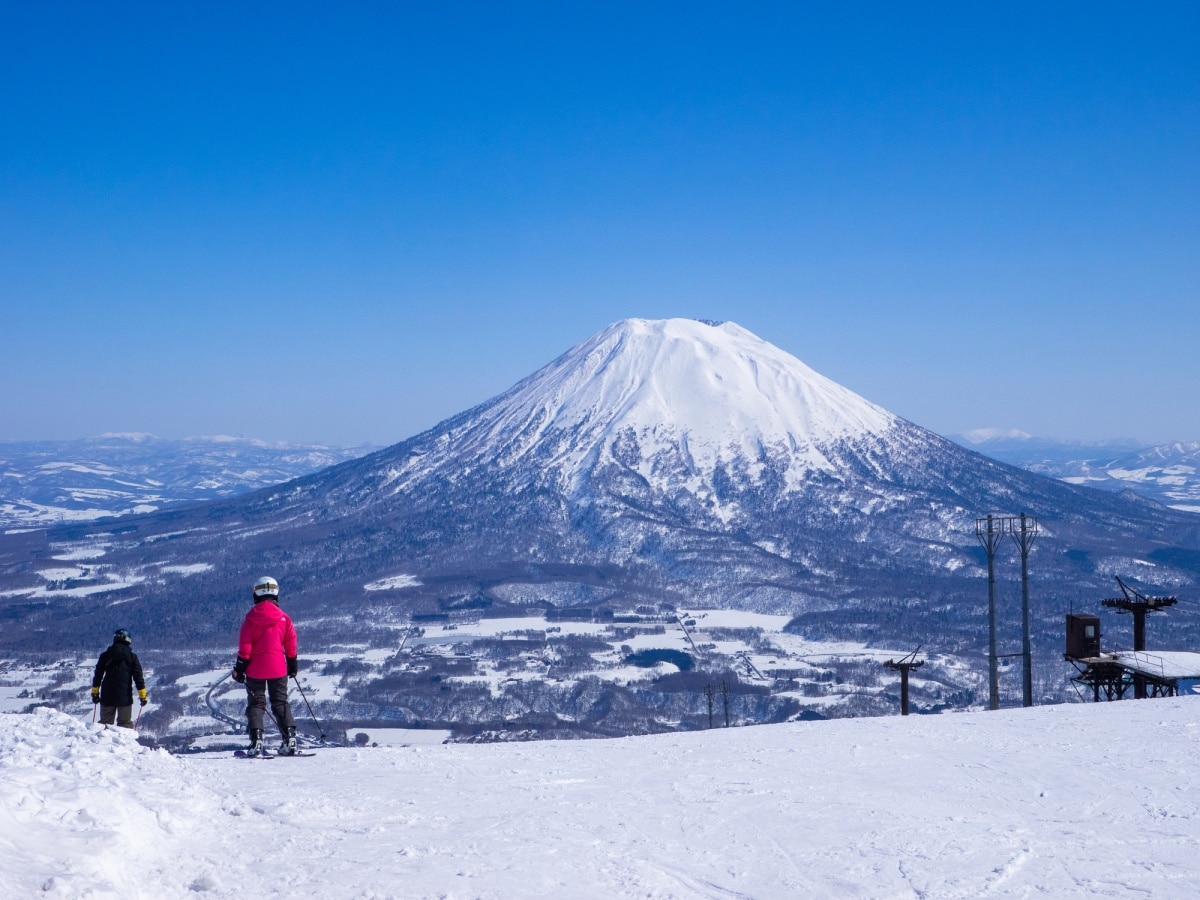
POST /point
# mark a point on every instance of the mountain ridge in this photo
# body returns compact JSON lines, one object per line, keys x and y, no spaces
{"x":646,"y":389}
{"x":47,"y":482}
{"x":1167,"y":473}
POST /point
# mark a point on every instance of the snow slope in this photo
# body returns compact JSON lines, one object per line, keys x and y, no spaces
{"x":1063,"y":801}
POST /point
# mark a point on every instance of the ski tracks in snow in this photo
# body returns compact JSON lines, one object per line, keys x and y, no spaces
{"x":1095,"y":801}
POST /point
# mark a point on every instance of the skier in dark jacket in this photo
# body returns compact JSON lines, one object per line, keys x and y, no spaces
{"x":117,"y":671}
{"x":266,"y":658}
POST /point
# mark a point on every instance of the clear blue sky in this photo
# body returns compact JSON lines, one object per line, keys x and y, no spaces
{"x":345,"y":222}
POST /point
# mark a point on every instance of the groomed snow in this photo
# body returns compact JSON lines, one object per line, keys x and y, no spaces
{"x":1066,"y":801}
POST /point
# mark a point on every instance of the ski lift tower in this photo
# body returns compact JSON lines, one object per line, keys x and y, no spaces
{"x":1139,"y":605}
{"x":905,"y":664}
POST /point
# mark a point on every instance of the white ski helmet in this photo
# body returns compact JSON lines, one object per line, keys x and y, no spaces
{"x":266,"y":587}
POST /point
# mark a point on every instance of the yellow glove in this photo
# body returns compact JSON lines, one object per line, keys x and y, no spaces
{"x":142,"y":695}
{"x":95,"y":695}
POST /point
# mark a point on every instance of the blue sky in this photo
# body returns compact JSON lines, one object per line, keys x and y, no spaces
{"x":346,"y":222}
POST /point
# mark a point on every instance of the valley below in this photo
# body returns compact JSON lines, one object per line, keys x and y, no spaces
{"x":567,"y":675}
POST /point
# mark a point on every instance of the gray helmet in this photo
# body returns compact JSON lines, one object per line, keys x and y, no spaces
{"x":121,"y":636}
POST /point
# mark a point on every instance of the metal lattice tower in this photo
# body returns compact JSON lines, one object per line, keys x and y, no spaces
{"x":1022,"y":529}
{"x":1024,"y":540}
{"x":989,"y":533}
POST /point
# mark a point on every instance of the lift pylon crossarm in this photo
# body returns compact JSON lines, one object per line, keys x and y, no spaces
{"x":1136,"y":599}
{"x":892,"y":664}
{"x":907,"y":660}
{"x":990,"y":529}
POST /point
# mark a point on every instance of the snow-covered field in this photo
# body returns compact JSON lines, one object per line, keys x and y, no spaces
{"x":753,"y":644}
{"x":1064,"y":801}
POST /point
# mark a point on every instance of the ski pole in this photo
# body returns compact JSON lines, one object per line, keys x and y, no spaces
{"x":310,"y":709}
{"x":139,"y":717}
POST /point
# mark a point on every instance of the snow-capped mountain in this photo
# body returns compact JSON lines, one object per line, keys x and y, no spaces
{"x":978,"y":436}
{"x":50,"y":482}
{"x":1168,"y":473}
{"x":662,"y":463}
{"x":675,"y":401}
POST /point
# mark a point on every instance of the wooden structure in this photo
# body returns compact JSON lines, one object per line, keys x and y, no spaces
{"x":1083,"y":637}
{"x":1112,"y":676}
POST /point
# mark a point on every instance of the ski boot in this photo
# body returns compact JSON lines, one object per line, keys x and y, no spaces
{"x":288,"y":746}
{"x":256,"y":742}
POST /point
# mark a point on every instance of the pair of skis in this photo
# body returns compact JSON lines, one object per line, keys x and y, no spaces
{"x":242,"y":754}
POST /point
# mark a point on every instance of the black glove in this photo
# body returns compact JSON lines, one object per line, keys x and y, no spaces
{"x":239,"y":670}
{"x":293,"y":666}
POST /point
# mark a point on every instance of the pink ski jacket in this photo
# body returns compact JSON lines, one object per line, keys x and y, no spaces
{"x":267,"y":639}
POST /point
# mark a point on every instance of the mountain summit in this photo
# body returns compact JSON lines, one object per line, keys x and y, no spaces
{"x":681,"y":409}
{"x":682,"y":390}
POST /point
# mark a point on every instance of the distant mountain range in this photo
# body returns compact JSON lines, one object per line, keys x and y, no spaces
{"x":1168,"y":473}
{"x":658,"y":464}
{"x":53,"y":482}
{"x":50,"y":482}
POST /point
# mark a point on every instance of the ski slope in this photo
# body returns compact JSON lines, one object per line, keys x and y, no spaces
{"x":1065,"y":801}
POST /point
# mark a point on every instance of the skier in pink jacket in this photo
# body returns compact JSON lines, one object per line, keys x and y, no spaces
{"x":266,"y":659}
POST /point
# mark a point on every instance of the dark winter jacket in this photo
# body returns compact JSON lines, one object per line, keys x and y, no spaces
{"x":268,"y":640}
{"x":116,"y":673}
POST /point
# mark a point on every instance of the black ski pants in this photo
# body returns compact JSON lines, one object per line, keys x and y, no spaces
{"x":123,"y":715}
{"x":257,"y":690}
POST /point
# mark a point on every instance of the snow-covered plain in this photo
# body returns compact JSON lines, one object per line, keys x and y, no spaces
{"x":1063,"y":801}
